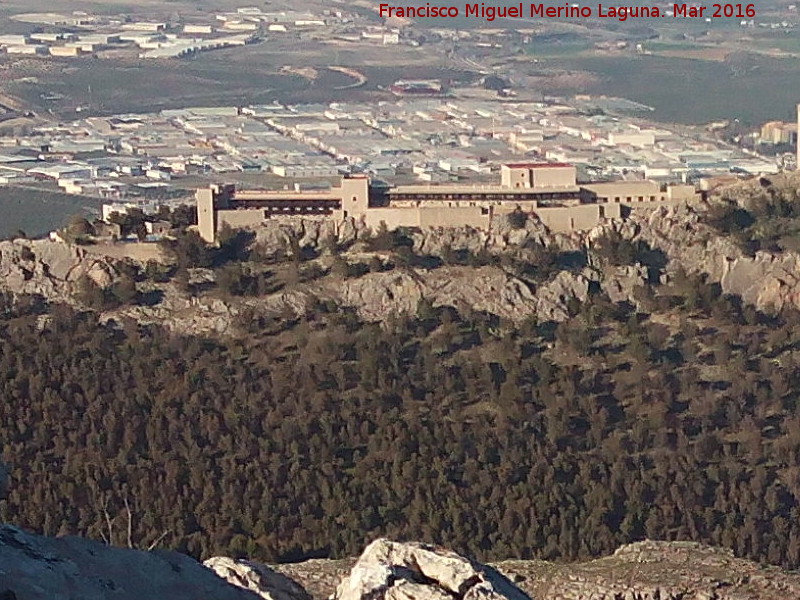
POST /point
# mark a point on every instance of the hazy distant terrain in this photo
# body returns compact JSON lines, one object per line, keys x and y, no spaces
{"x":36,"y":212}
{"x":690,"y":71}
{"x":687,"y":90}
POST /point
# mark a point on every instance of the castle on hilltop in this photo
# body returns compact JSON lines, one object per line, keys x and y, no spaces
{"x":549,"y":190}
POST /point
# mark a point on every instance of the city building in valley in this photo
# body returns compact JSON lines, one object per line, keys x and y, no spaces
{"x":549,"y":190}
{"x":778,"y":132}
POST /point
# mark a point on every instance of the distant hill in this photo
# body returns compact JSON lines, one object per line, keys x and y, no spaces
{"x":37,"y":212}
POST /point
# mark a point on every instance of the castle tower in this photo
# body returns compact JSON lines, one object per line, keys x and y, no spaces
{"x":206,"y":221}
{"x":355,"y":195}
{"x":209,"y":200}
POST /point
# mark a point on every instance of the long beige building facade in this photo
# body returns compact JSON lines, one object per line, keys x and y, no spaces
{"x":550,"y":191}
{"x":797,"y":163}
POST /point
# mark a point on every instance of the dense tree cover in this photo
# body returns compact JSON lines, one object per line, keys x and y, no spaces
{"x":768,"y":221}
{"x":517,"y":219}
{"x":310,"y":436}
{"x":619,"y":251}
{"x":133,"y":220}
{"x":121,"y":292}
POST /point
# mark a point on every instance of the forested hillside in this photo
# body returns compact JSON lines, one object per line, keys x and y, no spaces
{"x":309,"y":436}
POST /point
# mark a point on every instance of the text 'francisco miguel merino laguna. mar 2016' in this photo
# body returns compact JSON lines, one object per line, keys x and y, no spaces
{"x":568,"y":11}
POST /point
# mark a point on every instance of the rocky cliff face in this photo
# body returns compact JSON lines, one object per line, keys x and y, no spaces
{"x":48,"y":268}
{"x":34,"y":567}
{"x":39,"y":568}
{"x":486,"y":289}
{"x":52,"y":269}
{"x":765,"y":280}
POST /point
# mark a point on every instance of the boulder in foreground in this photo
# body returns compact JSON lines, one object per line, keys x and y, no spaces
{"x":411,"y":571}
{"x":41,"y":568}
{"x":258,"y":578}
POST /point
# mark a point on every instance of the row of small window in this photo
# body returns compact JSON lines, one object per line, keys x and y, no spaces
{"x":632,"y":199}
{"x":485,"y":197}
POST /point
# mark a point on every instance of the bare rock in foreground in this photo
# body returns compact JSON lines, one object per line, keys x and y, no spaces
{"x":409,"y":571}
{"x":40,"y":568}
{"x":262,"y":580}
{"x":646,"y":570}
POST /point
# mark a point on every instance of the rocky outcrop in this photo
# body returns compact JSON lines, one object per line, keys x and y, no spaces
{"x":767,"y":280}
{"x":553,"y":297}
{"x":652,"y":570}
{"x":278,"y":236}
{"x":680,"y":233}
{"x":410,"y":571}
{"x":40,"y":568}
{"x":620,"y":283}
{"x":491,"y":289}
{"x":501,"y":238}
{"x":646,"y":570}
{"x":49,"y":269}
{"x":260,"y":579}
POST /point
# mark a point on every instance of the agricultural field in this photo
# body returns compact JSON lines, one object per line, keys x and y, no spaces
{"x":108,"y":87}
{"x":258,"y":73}
{"x":690,"y":72}
{"x":693,"y":91}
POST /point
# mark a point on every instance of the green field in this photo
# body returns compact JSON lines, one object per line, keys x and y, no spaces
{"x":234,"y":77}
{"x":557,"y":48}
{"x":666,"y":46}
{"x":111,"y":86}
{"x":789,"y":42}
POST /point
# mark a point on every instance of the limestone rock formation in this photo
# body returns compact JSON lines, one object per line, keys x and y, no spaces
{"x":487,"y":288}
{"x":645,"y":570}
{"x":260,"y":579}
{"x":620,"y":283}
{"x":279,"y":235}
{"x":766,"y":280}
{"x":411,"y":571}
{"x":49,"y":269}
{"x":40,"y":568}
{"x":651,"y":570}
{"x":552,"y":298}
